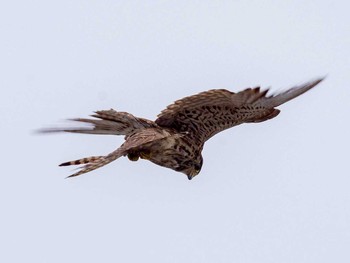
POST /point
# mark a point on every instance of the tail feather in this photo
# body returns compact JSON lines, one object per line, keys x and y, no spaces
{"x":93,"y":162}
{"x":82,"y":161}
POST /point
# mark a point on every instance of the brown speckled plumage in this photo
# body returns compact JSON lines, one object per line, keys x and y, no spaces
{"x":176,"y":138}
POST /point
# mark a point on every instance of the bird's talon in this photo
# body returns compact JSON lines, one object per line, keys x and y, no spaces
{"x":133,"y":157}
{"x":145,"y":155}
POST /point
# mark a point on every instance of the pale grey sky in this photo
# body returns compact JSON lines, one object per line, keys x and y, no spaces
{"x":277,"y":191}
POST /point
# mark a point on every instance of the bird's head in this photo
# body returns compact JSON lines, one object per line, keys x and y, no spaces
{"x":193,"y":167}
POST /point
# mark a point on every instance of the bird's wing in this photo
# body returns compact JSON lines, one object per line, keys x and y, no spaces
{"x":108,"y":122}
{"x":134,"y":142}
{"x":207,"y":113}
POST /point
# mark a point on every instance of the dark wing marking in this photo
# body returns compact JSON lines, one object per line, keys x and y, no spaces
{"x":207,"y":113}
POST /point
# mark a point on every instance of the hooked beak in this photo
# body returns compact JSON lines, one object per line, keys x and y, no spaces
{"x":192,"y":174}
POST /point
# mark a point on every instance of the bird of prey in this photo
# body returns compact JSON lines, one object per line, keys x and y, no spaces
{"x":176,"y":138}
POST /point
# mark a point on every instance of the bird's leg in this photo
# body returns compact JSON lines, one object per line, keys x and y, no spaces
{"x":133,"y":157}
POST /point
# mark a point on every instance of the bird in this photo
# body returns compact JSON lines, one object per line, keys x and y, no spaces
{"x":176,"y":138}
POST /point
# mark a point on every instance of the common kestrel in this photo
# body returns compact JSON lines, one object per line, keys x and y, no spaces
{"x":176,"y":138}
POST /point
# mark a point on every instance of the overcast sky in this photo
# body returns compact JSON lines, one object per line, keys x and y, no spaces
{"x":276,"y":191}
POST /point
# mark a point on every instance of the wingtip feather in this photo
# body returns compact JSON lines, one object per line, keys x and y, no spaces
{"x":291,"y":93}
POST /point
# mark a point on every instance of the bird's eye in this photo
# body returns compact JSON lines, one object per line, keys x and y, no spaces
{"x":197,"y":167}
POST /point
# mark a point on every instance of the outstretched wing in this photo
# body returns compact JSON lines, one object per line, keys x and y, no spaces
{"x":207,"y":113}
{"x":108,"y":122}
{"x":144,"y":138}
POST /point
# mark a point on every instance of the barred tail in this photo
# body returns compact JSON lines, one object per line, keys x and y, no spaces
{"x":82,"y":161}
{"x":93,"y":162}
